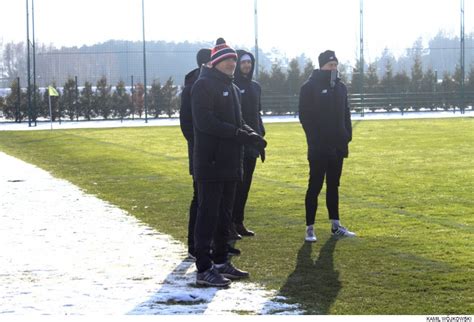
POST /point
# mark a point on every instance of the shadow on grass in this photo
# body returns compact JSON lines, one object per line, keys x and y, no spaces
{"x":314,"y":285}
{"x":177,"y":295}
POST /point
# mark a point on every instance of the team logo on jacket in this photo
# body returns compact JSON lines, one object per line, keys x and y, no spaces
{"x":242,"y":91}
{"x":324,"y":91}
{"x":225,"y":94}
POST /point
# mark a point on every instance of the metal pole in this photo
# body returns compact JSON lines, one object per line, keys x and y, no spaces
{"x":18,"y":102}
{"x":28,"y":61}
{"x":77,"y":99}
{"x":133,"y":100}
{"x":361,"y":58}
{"x":462,"y":57}
{"x":50,"y":111}
{"x":256,"y":39}
{"x":144,"y":63}
{"x":35,"y":111}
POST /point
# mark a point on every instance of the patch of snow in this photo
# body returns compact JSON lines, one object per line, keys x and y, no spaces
{"x":65,"y":252}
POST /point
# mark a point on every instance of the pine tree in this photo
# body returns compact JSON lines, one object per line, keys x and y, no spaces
{"x":103,"y":98}
{"x":387,"y":80}
{"x":169,"y":92}
{"x":372,"y":80}
{"x":68,"y":98}
{"x":156,"y":99}
{"x":121,"y":101}
{"x":139,"y":99}
{"x":416,"y":74}
{"x":428,"y":82}
{"x":15,"y":107}
{"x":470,"y":79}
{"x":87,"y":102}
{"x":293,"y":79}
{"x":307,"y":71}
{"x":401,"y":82}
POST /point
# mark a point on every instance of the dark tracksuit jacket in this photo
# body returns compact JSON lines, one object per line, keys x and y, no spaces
{"x":250,"y":92}
{"x":217,"y":161}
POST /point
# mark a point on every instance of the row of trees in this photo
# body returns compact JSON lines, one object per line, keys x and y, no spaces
{"x":280,"y":91}
{"x":280,"y":82}
{"x":89,"y":102}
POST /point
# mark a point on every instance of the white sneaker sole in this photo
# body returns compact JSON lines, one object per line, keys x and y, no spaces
{"x":311,"y":239}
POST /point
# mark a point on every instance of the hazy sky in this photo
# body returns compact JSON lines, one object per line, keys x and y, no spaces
{"x":295,"y":26}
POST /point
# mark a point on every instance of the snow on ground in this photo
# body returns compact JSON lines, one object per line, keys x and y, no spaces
{"x":44,"y":125}
{"x":65,"y":252}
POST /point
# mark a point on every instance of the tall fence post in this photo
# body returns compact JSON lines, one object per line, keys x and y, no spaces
{"x":76,"y":103}
{"x":18,"y":102}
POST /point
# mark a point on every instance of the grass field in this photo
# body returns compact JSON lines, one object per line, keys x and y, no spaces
{"x":407,"y":190}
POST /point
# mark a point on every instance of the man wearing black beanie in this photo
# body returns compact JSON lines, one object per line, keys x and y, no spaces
{"x":325,"y":116}
{"x":219,"y":136}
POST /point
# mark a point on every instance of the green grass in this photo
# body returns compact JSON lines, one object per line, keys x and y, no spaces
{"x":407,"y":190}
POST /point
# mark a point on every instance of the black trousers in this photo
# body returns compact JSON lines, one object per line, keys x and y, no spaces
{"x":192,"y":217}
{"x":331,"y":168}
{"x":243,"y":189}
{"x":215,"y":202}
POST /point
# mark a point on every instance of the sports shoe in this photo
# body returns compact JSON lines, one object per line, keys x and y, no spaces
{"x":233,"y":234}
{"x":211,"y":277}
{"x":229,"y":271}
{"x":241,"y":230}
{"x":341,"y":231}
{"x":233,"y":251}
{"x":310,"y":235}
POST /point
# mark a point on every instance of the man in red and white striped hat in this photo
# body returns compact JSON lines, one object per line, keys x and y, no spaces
{"x":219,"y":136}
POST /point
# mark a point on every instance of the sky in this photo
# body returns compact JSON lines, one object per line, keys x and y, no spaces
{"x":293,"y":27}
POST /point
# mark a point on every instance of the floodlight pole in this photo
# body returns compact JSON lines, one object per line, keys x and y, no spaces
{"x":35,"y":111}
{"x":361,"y":56}
{"x":256,"y":38}
{"x":462,"y":62}
{"x":144,"y":63}
{"x":28,"y":61}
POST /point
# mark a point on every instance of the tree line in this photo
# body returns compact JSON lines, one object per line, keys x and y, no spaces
{"x":92,"y":101}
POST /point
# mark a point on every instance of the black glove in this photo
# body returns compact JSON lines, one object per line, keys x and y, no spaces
{"x":260,"y":144}
{"x":244,"y":137}
{"x":262,"y":155}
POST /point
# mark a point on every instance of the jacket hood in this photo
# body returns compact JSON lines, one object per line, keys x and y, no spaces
{"x":203,"y":56}
{"x":237,"y":73}
{"x":191,"y":77}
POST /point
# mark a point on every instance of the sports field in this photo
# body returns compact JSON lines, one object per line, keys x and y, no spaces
{"x":406,"y":190}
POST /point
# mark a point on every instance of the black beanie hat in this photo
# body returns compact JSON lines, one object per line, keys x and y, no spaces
{"x":203,"y":56}
{"x":326,"y":57}
{"x":221,"y":52}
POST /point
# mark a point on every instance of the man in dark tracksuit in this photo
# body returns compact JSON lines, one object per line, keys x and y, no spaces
{"x":219,"y":135}
{"x":326,"y":119}
{"x":250,"y":92}
{"x":186,"y":122}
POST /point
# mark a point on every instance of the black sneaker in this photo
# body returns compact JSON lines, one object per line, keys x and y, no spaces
{"x":233,"y":234}
{"x":229,"y":271}
{"x":211,"y":277}
{"x":241,"y":230}
{"x":191,"y":256}
{"x":233,"y":251}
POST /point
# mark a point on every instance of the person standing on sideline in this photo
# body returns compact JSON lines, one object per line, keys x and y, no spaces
{"x":219,"y":136}
{"x":186,"y":122}
{"x":250,"y":92}
{"x":325,"y":116}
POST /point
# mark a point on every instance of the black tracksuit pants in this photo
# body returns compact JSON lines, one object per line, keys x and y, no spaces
{"x":242,"y":191}
{"x":319,"y":168}
{"x":215,"y":203}
{"x":192,"y":218}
